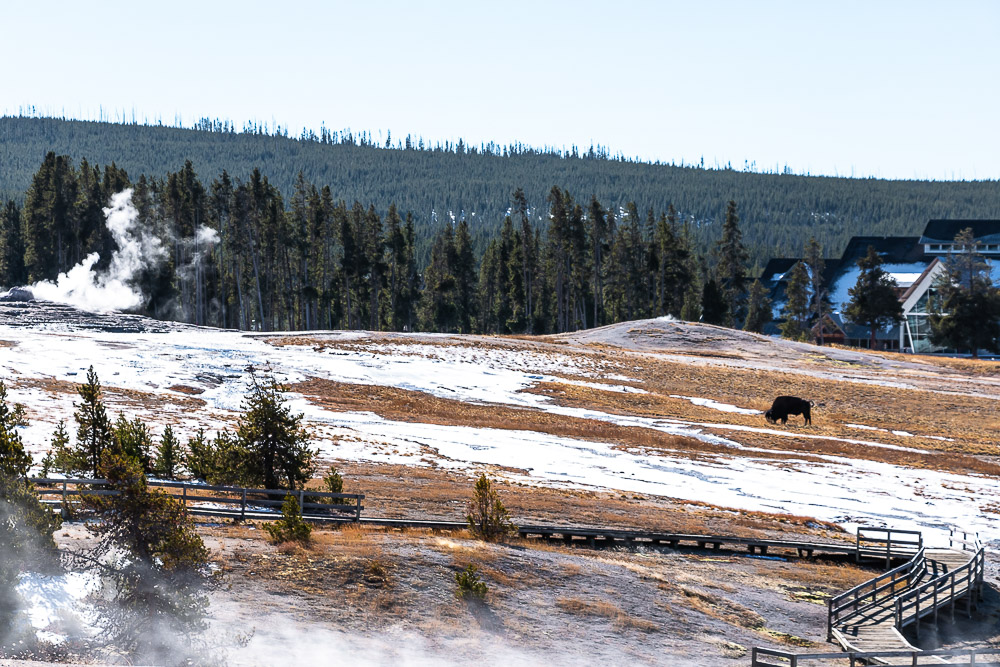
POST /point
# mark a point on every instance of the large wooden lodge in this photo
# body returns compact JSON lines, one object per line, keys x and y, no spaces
{"x":913,"y":261}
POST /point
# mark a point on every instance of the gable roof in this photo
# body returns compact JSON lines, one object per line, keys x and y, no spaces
{"x":945,"y":231}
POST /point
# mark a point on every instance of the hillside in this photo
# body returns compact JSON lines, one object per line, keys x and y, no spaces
{"x":653,"y":425}
{"x":779,"y":211}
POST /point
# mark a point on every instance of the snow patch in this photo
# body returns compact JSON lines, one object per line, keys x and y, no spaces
{"x":715,"y":405}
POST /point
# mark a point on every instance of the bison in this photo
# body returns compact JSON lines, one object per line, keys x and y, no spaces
{"x":788,"y":405}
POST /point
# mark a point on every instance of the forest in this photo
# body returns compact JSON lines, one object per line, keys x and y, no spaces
{"x":449,"y":180}
{"x":346,"y":242}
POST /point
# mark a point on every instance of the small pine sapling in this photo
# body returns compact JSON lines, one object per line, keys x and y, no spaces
{"x":290,"y":527}
{"x":487,"y":517}
{"x":470,"y":586}
{"x":165,"y":465}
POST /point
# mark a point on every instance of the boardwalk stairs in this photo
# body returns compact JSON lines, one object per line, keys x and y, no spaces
{"x":867,"y":620}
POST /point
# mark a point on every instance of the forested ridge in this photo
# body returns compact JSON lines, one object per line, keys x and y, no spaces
{"x":779,"y":211}
{"x":357,"y":246}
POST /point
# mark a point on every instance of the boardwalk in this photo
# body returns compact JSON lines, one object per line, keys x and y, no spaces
{"x":867,"y":620}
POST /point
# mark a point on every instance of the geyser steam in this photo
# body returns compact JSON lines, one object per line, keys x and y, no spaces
{"x":113,"y":288}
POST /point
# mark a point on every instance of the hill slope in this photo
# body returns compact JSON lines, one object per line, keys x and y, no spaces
{"x":778,"y":211}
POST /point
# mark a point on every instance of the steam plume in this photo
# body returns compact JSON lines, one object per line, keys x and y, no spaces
{"x":113,"y":288}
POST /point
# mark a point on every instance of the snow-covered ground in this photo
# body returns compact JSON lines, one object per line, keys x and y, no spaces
{"x":165,"y":365}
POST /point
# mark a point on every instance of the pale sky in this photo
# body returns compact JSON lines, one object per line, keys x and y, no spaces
{"x":903,"y":89}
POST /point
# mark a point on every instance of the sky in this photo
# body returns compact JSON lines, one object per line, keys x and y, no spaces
{"x":874,"y":88}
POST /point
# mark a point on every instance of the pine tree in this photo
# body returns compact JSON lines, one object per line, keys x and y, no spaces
{"x":714,"y":307}
{"x":439,"y":311}
{"x":64,"y":459}
{"x":819,"y":300}
{"x":758,"y":308}
{"x":166,"y":462}
{"x":487,"y":517}
{"x":465,"y":273}
{"x":731,"y":267}
{"x":133,"y":439}
{"x":278,"y":445}
{"x":94,"y":432}
{"x":12,"y":272}
{"x":796,"y":308}
{"x":153,"y":562}
{"x":874,"y":303}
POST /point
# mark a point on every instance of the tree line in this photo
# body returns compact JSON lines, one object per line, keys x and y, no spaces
{"x":316,"y":262}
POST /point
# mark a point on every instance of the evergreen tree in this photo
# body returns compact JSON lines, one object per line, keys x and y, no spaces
{"x":758,"y":308}
{"x":966,"y":307}
{"x":62,"y":457}
{"x":714,"y":307}
{"x":278,"y":445}
{"x":465,"y":272}
{"x":439,"y":310}
{"x":874,"y":303}
{"x":819,"y":300}
{"x":94,"y":432}
{"x":133,"y":439}
{"x":152,"y":562}
{"x":731,"y":267}
{"x":167,"y":455}
{"x":12,"y":271}
{"x":796,"y":308}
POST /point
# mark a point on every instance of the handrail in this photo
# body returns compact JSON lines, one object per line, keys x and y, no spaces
{"x":961,"y":581}
{"x":864,"y":596}
{"x":856,"y":656}
{"x":246,"y":500}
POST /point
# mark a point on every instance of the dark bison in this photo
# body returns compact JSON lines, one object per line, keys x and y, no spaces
{"x":788,"y":405}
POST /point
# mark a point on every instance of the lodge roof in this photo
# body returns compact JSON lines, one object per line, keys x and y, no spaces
{"x":945,"y":231}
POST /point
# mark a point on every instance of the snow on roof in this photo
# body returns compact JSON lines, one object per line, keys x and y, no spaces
{"x":839,"y":295}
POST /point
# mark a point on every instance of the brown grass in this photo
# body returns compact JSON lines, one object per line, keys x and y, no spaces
{"x":403,"y":492}
{"x":414,"y":406}
{"x":120,"y":397}
{"x":725,"y":610}
{"x":608,"y":610}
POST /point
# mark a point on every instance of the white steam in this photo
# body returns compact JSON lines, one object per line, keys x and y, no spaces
{"x":113,"y":288}
{"x":116,"y":287}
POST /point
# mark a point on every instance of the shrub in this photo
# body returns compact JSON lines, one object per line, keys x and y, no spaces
{"x":290,"y":527}
{"x":487,"y":517}
{"x":470,"y":586}
{"x":333,"y":483}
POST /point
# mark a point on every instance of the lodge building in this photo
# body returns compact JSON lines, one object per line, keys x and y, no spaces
{"x":913,"y":261}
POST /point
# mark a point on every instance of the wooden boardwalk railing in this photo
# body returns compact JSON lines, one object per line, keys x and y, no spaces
{"x":866,"y":620}
{"x":868,"y":595}
{"x":221,"y":501}
{"x":981,"y":657}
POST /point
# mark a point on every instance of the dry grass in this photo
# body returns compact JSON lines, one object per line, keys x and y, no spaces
{"x":722,"y":609}
{"x":817,"y":575}
{"x":608,"y":610}
{"x":414,"y":406}
{"x":119,"y":397}
{"x":403,"y":492}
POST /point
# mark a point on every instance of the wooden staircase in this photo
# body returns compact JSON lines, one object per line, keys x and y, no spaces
{"x":867,"y":620}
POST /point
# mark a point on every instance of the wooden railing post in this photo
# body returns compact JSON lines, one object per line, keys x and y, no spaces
{"x":184,"y":498}
{"x":243,"y":505}
{"x":62,"y":508}
{"x":302,"y":501}
{"x":357,"y":508}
